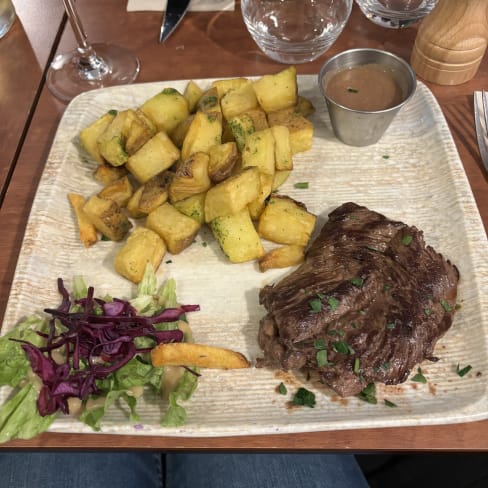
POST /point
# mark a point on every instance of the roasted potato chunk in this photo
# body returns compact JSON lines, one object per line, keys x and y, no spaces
{"x":158,"y":154}
{"x":119,"y":191}
{"x":222,"y":159}
{"x":106,"y":173}
{"x":204,"y":132}
{"x":193,"y":207}
{"x":233,"y":194}
{"x":166,"y":109}
{"x":89,"y":135}
{"x":282,"y":148}
{"x":191,"y":178}
{"x":111,"y":142}
{"x":228,"y":84}
{"x":286,"y":221}
{"x":192,"y":93}
{"x":155,"y":192}
{"x":237,"y":237}
{"x":259,"y":150}
{"x":107,"y":217}
{"x":143,"y":246}
{"x":256,"y":207}
{"x":282,"y":257}
{"x":209,"y":102}
{"x":301,"y":129}
{"x":176,"y":229}
{"x":239,"y":100}
{"x":277,"y":91}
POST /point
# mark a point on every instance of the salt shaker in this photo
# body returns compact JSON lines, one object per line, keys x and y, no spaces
{"x":451,"y":42}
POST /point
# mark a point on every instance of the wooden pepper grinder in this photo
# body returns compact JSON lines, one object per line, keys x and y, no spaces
{"x":451,"y":42}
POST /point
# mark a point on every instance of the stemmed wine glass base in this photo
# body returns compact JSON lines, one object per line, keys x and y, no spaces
{"x":73,"y":73}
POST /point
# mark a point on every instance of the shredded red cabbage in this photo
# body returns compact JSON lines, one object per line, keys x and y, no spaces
{"x":97,"y":341}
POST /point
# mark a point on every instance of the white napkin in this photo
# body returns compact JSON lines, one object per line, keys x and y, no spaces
{"x":482,"y":128}
{"x":195,"y":5}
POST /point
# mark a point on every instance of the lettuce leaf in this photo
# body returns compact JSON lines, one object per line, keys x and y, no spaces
{"x":175,"y":415}
{"x":19,"y":417}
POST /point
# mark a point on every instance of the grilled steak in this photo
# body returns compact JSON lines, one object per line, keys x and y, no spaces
{"x":371,"y":298}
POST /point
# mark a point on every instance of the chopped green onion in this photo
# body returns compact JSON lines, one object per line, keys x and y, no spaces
{"x":282,"y":389}
{"x":463,"y":371}
{"x":386,"y":156}
{"x":342,"y":347}
{"x":407,"y":240}
{"x":369,"y":394}
{"x":419,"y":377}
{"x":333,"y":303}
{"x":390,"y":404}
{"x":303,"y":185}
{"x":321,"y":358}
{"x":446,"y":306}
{"x":357,"y":282}
{"x":304,"y":397}
{"x":320,"y":344}
{"x":356,"y":365}
{"x":315,"y":305}
{"x":352,"y":90}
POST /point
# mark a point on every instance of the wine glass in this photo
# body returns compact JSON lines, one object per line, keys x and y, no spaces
{"x":89,"y":66}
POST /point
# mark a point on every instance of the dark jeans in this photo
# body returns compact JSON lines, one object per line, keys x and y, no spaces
{"x":193,"y":470}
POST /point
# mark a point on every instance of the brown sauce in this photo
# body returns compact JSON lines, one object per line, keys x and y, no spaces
{"x":369,"y":87}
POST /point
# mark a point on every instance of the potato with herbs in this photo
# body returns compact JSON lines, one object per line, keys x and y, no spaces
{"x":286,"y":221}
{"x":237,"y":237}
{"x":142,"y":246}
{"x":158,"y":154}
{"x":166,"y":109}
{"x":107,"y":217}
{"x":176,"y":229}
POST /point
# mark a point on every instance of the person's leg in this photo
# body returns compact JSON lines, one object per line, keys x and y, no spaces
{"x":22,"y":469}
{"x":222,"y":470}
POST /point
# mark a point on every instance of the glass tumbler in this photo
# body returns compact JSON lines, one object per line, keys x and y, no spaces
{"x":396,"y":14}
{"x":295,"y":31}
{"x":7,"y":16}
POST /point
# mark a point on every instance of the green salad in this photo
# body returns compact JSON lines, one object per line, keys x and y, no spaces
{"x":90,"y":353}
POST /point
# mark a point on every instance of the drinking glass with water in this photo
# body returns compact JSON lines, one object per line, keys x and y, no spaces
{"x":295,"y":31}
{"x":7,"y":16}
{"x":396,"y":14}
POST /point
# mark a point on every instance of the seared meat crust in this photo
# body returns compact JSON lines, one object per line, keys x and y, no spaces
{"x":371,"y":292}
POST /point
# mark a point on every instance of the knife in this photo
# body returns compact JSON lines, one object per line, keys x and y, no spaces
{"x":481,"y":122}
{"x":172,"y":16}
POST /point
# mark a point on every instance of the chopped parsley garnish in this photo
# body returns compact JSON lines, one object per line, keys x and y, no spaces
{"x":169,"y":261}
{"x":333,"y":303}
{"x":321,"y":358}
{"x":342,"y":347}
{"x":320,"y":344}
{"x":390,"y":404}
{"x":427,"y":311}
{"x":105,"y":238}
{"x":354,"y":325}
{"x":419,"y":377}
{"x":204,"y":244}
{"x":369,"y":394}
{"x":356,"y":366}
{"x":463,"y":371}
{"x":386,"y":287}
{"x":407,"y":240}
{"x":282,"y":389}
{"x":112,"y":112}
{"x":315,"y":305}
{"x":352,"y":90}
{"x":304,"y":397}
{"x":336,"y":332}
{"x":446,"y":306}
{"x":390,"y":325}
{"x":386,"y":156}
{"x":301,"y":185}
{"x":357,"y":282}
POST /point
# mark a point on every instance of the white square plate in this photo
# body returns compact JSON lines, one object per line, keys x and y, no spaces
{"x":413,"y":174}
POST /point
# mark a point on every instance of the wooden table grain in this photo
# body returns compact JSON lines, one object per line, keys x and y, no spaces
{"x":216,"y":44}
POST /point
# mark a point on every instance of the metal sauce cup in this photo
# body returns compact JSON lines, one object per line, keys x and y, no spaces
{"x":360,"y":127}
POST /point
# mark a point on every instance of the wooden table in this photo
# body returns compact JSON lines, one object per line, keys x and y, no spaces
{"x":207,"y":45}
